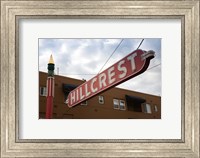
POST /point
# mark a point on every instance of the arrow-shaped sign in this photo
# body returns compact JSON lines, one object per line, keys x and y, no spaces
{"x":130,"y":66}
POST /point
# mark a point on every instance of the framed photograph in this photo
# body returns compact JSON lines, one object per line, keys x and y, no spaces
{"x":84,"y":71}
{"x":58,"y":40}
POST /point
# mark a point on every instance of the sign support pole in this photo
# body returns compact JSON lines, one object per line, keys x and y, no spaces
{"x":50,"y":89}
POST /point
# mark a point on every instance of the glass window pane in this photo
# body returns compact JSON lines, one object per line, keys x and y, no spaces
{"x":101,"y":100}
{"x":42,"y":91}
{"x":155,"y":108}
{"x":148,"y":108}
{"x":116,"y":103}
{"x":122,"y":105}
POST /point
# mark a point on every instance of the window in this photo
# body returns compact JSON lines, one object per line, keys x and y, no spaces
{"x":147,"y":108}
{"x":101,"y":100}
{"x":119,"y":104}
{"x":115,"y":103}
{"x":43,"y":91}
{"x":84,"y":103}
{"x":155,"y":108}
{"x":122,"y":105}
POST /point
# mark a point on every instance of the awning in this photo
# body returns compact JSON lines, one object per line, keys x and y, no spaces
{"x":134,"y":99}
{"x":134,"y":103}
{"x":68,"y":87}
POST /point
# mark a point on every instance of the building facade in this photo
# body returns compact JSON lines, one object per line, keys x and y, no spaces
{"x":115,"y":103}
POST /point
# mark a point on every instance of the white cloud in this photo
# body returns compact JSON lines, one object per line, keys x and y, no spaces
{"x":87,"y":56}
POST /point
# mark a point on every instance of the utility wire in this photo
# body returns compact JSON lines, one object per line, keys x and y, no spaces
{"x":95,"y":74}
{"x":153,"y":67}
{"x":75,"y":74}
{"x":149,"y":69}
{"x":130,"y":85}
{"x":140,"y":43}
{"x":116,"y":49}
{"x":111,"y":55}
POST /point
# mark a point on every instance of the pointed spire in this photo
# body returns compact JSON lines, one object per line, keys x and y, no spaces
{"x":51,"y":60}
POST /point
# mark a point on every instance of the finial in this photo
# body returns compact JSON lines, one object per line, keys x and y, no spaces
{"x":51,"y":60}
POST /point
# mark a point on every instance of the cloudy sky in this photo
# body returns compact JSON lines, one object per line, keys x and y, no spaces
{"x":84,"y":58}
